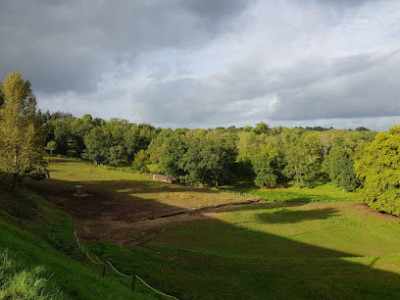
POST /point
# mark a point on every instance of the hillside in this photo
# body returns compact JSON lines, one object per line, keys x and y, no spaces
{"x":308,"y":243}
{"x":36,"y":235}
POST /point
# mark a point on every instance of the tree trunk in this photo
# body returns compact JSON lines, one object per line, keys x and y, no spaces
{"x":15,"y":175}
{"x":297,"y":177}
{"x":15,"y":180}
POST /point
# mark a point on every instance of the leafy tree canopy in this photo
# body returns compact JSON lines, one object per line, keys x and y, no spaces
{"x":21,"y":140}
{"x":378,"y":167}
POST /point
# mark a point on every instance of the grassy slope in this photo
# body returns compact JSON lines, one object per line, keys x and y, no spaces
{"x":343,"y":227}
{"x":334,"y":251}
{"x":22,"y":211}
{"x":283,"y":250}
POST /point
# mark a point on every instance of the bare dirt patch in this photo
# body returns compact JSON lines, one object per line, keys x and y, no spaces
{"x":126,"y":219}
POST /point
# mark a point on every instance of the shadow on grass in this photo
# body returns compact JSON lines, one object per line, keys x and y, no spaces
{"x":16,"y":203}
{"x":286,"y":216}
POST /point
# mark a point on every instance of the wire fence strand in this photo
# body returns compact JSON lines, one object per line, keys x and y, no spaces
{"x":150,"y":287}
{"x":76,"y":238}
{"x":116,"y":271}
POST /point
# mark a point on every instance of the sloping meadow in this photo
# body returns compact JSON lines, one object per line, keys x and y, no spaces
{"x":328,"y":249}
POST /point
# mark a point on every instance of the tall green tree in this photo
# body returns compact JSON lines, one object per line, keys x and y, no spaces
{"x":117,"y":156}
{"x":138,"y":137}
{"x":171,"y":155}
{"x":210,"y":157}
{"x":303,"y":155}
{"x":377,"y":165}
{"x":265,"y":166}
{"x":98,"y":144}
{"x":262,"y":153}
{"x":340,"y":167}
{"x":21,"y":140}
{"x":339,"y":163}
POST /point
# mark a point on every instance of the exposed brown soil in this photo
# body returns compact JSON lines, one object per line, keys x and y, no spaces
{"x":126,"y":220}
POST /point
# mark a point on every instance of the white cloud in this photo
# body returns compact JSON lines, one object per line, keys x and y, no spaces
{"x":209,"y":63}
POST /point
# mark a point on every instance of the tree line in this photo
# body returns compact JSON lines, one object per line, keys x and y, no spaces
{"x":261,"y":156}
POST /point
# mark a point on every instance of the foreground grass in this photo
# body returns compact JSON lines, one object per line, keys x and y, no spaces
{"x":24,"y":284}
{"x":30,"y":250}
{"x":202,"y":275}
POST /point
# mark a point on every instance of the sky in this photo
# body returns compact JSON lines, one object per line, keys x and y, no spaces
{"x":207,"y":63}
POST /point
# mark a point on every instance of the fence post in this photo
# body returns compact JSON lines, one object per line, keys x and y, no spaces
{"x":133,"y":282}
{"x":104,"y":269}
{"x":83,"y":257}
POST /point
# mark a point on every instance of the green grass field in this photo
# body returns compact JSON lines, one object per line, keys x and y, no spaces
{"x":35,"y":235}
{"x":308,"y":244}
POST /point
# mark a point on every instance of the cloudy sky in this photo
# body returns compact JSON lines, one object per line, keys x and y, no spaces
{"x":207,"y":63}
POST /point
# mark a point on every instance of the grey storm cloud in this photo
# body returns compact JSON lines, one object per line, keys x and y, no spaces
{"x":364,"y":85}
{"x":208,"y":63}
{"x":68,"y":45}
{"x":357,"y":86}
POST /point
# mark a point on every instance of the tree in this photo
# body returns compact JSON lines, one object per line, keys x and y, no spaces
{"x":210,"y":157}
{"x":377,"y":165}
{"x":303,"y":154}
{"x":98,"y":143}
{"x":265,"y":166}
{"x":170,"y":157}
{"x":340,"y":168}
{"x":142,"y":160}
{"x":138,"y":137}
{"x":261,"y":128}
{"x":51,"y":146}
{"x":117,"y":156}
{"x":21,"y":140}
{"x":263,"y":155}
{"x":61,"y":135}
{"x":117,"y":127}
